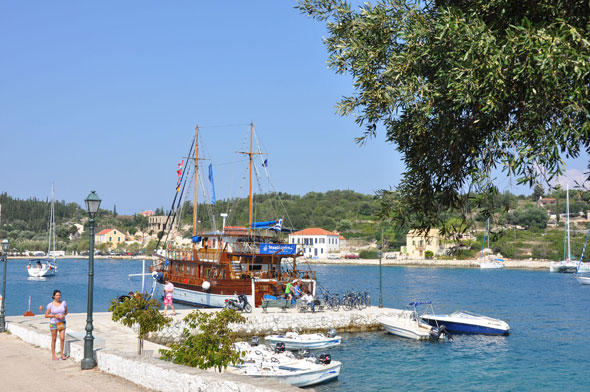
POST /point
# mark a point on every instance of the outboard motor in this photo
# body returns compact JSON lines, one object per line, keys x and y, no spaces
{"x":325,"y":359}
{"x":255,"y":341}
{"x":443,"y":330}
{"x":331,"y":333}
{"x":280,"y":347}
{"x":435,"y":333}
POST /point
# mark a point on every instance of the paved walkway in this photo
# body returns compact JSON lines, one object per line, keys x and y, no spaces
{"x":24,"y":367}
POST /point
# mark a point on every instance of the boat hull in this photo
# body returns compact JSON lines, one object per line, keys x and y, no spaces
{"x":308,"y":378}
{"x":196,"y":298}
{"x":585,"y":280}
{"x":491,"y":265}
{"x":291,"y":344}
{"x":464,"y":327}
{"x":564,"y":268}
{"x":40,"y":272}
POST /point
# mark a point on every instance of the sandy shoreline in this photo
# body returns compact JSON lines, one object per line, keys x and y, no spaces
{"x":469,"y":263}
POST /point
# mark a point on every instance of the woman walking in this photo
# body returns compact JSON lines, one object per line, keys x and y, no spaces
{"x":57,"y":311}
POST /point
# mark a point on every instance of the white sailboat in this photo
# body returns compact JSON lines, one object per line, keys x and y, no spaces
{"x":567,"y":265}
{"x":42,"y":267}
{"x":485,"y":261}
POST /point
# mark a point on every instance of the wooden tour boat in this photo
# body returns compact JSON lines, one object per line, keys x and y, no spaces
{"x":249,"y":260}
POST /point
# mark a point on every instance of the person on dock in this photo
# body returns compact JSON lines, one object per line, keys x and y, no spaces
{"x":309,"y":300}
{"x":168,"y":297}
{"x":289,"y":291}
{"x":297,"y":290}
{"x":57,"y":311}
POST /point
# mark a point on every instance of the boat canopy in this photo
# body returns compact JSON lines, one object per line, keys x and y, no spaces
{"x":275,"y":225}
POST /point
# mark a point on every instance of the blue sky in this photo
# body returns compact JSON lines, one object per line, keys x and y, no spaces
{"x":106,"y":95}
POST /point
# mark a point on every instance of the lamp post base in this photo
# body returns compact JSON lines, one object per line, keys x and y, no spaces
{"x":88,"y":363}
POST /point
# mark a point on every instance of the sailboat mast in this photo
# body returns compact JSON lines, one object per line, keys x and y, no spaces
{"x":567,"y":201}
{"x":250,"y":194}
{"x":195,"y":195}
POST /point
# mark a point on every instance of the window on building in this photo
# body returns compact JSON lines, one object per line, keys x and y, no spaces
{"x":316,"y":240}
{"x":115,"y":231}
{"x":322,"y":250}
{"x":110,"y":239}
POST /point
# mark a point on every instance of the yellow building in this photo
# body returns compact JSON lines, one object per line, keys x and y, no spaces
{"x":113,"y":237}
{"x":418,"y":243}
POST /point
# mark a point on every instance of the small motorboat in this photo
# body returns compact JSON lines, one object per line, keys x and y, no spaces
{"x":583,"y":279}
{"x":263,"y":362}
{"x":468,"y":323}
{"x":407,"y":324}
{"x":313,"y":341}
{"x":39,"y":268}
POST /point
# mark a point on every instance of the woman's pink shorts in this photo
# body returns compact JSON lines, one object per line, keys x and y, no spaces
{"x":168,"y":299}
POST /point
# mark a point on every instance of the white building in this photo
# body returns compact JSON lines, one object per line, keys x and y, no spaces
{"x":315,"y":242}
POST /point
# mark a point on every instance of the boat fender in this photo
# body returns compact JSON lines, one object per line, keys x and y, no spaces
{"x":158,"y":276}
{"x":274,"y":359}
{"x":331,"y":333}
{"x":254,"y":342}
{"x":325,"y":359}
{"x":280,"y":347}
{"x":206,"y":285}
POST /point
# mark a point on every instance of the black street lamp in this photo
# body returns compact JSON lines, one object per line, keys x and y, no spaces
{"x":5,"y":247}
{"x":88,"y":362}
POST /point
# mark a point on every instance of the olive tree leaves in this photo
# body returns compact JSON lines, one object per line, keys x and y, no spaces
{"x":462,"y":88}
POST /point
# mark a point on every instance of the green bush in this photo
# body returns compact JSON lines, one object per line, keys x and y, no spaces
{"x":211,"y":346}
{"x":429,"y":254}
{"x":368,"y":254}
{"x":141,"y":310}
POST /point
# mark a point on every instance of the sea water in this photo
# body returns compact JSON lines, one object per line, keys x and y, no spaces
{"x":548,"y":348}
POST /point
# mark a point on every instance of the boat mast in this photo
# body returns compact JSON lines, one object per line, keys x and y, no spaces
{"x":195,"y":196}
{"x":250,"y":194}
{"x":567,"y":200}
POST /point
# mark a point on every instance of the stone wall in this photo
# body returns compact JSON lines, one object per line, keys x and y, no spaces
{"x":276,"y":321}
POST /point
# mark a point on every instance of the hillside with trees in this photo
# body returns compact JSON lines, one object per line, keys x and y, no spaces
{"x":519,"y":228}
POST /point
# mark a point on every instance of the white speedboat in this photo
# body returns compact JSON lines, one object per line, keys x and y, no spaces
{"x":263,"y":362}
{"x":40,"y":268}
{"x":468,"y":323}
{"x":407,"y":324}
{"x":583,"y":279}
{"x":313,"y":341}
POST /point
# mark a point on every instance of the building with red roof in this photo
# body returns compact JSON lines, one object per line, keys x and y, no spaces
{"x":110,"y":236}
{"x":316,"y":242}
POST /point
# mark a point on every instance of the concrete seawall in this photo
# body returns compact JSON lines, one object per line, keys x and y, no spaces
{"x":115,"y":354}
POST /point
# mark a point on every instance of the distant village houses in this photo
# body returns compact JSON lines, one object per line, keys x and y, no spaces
{"x":147,"y":213}
{"x":418,"y":243}
{"x":112,"y":237}
{"x":546,"y":201}
{"x":157,"y":223}
{"x":315,"y":242}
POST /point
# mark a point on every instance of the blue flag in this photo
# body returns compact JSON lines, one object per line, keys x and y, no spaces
{"x":212,"y":184}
